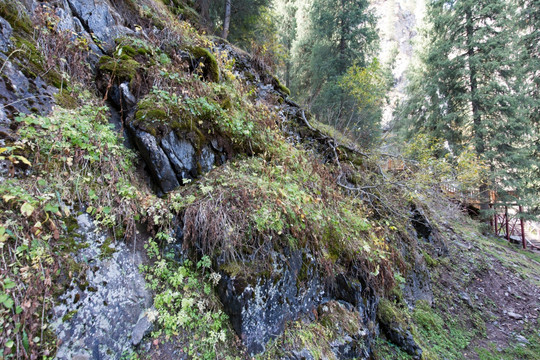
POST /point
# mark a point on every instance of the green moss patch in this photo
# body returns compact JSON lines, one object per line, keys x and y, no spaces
{"x":33,"y":64}
{"x":15,"y":13}
{"x":124,"y":68}
{"x":132,"y":46}
{"x":388,"y":313}
{"x":279,"y":86}
{"x":211,"y":67}
{"x":66,"y":99}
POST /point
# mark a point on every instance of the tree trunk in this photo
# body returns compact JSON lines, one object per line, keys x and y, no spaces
{"x":288,"y":65}
{"x":343,"y":34}
{"x":477,"y":118}
{"x":227,"y":19}
{"x":204,"y":8}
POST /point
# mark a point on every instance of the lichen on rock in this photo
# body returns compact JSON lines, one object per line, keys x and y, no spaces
{"x":96,"y":319}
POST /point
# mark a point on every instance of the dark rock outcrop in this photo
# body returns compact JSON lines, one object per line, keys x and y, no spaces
{"x":417,"y":283}
{"x":259,"y":306}
{"x":182,"y":155}
{"x":427,"y":232}
{"x":158,"y":163}
{"x":174,"y":159}
{"x":22,"y":94}
{"x":402,"y":338}
{"x":394,"y":326}
{"x":5,"y":34}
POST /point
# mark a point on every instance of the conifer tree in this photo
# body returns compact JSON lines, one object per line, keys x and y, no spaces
{"x":340,"y":34}
{"x":471,"y":89}
{"x":287,"y":28}
{"x":234,"y":19}
{"x":528,"y":26}
{"x":337,"y":35}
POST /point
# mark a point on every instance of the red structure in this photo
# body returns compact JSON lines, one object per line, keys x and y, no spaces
{"x":511,"y":227}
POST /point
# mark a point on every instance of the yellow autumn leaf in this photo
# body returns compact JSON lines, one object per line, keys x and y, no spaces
{"x":23,"y":159}
{"x":8,"y":197}
{"x":27,"y":209}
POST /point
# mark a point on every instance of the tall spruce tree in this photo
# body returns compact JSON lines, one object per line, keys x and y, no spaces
{"x":337,"y":35}
{"x":287,"y":29}
{"x":528,"y":27}
{"x":471,"y":89}
{"x":340,"y":34}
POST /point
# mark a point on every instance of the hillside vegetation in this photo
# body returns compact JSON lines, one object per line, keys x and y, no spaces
{"x":162,"y":196}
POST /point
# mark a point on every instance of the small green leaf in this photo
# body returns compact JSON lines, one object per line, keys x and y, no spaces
{"x":9,"y":344}
{"x":8,"y":303}
{"x":51,"y":208}
{"x":9,"y":284}
{"x":25,"y":342}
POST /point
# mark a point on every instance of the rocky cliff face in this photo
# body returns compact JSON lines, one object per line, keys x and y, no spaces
{"x":254,"y":211}
{"x":399,"y":22}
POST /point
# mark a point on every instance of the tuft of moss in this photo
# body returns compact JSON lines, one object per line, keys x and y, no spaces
{"x":430,"y":261}
{"x":280,"y":87}
{"x":124,"y":68}
{"x":132,"y":46}
{"x":66,"y":99}
{"x":106,"y":249}
{"x":388,"y":313}
{"x":151,"y":114}
{"x":211,"y":67}
{"x":69,"y":315}
{"x":129,"y":50}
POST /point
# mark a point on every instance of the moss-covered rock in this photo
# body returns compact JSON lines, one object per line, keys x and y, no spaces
{"x":388,"y":313}
{"x":66,"y":99}
{"x":211,"y":67}
{"x":131,"y":56}
{"x":394,"y":324}
{"x":14,"y":12}
{"x":125,"y":68}
{"x":32,"y":63}
{"x":131,"y":46}
{"x":280,"y":87}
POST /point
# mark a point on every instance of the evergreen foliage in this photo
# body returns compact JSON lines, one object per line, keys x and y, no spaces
{"x":331,"y":36}
{"x":247,"y":18}
{"x":472,"y":91}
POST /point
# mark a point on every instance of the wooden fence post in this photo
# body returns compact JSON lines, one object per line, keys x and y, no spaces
{"x":507,"y":223}
{"x":522,"y":228}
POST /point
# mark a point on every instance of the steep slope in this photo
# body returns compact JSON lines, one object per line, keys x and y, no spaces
{"x":164,"y":198}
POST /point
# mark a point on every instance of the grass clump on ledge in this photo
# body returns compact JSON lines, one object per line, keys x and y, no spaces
{"x":283,"y":199}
